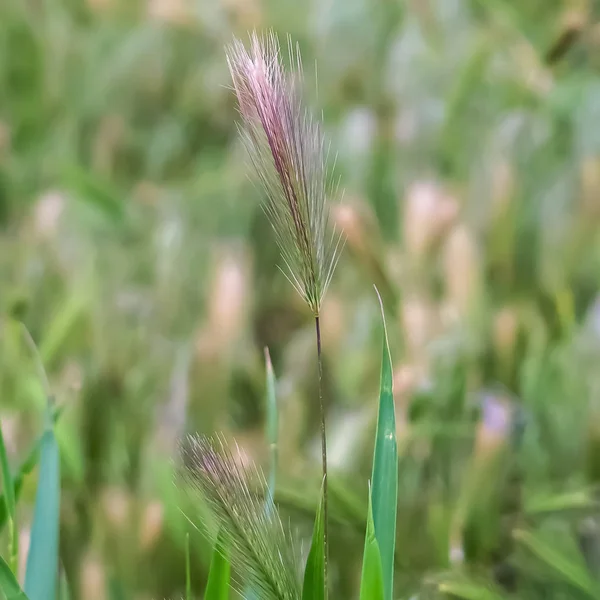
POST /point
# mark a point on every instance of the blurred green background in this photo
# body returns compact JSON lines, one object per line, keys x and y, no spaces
{"x":134,"y":249}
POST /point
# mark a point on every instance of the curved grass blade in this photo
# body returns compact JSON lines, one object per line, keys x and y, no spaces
{"x":468,"y":591}
{"x":219,"y":575}
{"x":25,"y":469}
{"x":9,"y":586}
{"x":384,"y":491}
{"x":314,"y":573}
{"x":565,"y":565}
{"x":42,"y":562}
{"x":9,"y":504}
{"x":371,"y":581}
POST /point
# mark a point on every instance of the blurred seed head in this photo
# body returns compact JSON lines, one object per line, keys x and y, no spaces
{"x":590,"y":187}
{"x":93,"y":582}
{"x":506,"y":330}
{"x":334,"y":322}
{"x":420,"y":323}
{"x":107,"y":142}
{"x":175,"y":12}
{"x":47,"y":214}
{"x":151,"y":525}
{"x":116,"y":505}
{"x":503,"y":186}
{"x":9,"y":423}
{"x":246,"y":14}
{"x":5,"y":140}
{"x":288,"y":154}
{"x":228,"y":298}
{"x":462,"y":270}
{"x":428,"y":212}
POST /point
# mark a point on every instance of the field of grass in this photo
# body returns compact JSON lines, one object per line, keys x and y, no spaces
{"x":140,"y":285}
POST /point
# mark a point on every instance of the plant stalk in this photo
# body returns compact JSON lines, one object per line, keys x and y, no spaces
{"x":323,"y":454}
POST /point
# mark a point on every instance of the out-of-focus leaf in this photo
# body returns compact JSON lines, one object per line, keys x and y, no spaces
{"x":469,"y":591}
{"x":217,"y":587}
{"x":371,"y":581}
{"x":8,"y":583}
{"x":98,"y":193}
{"x":314,"y":573}
{"x":384,"y":491}
{"x":9,"y":502}
{"x":42,"y":562}
{"x":26,"y":468}
{"x":564,"y":565}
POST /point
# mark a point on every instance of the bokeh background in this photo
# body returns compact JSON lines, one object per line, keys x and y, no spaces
{"x":134,"y":249}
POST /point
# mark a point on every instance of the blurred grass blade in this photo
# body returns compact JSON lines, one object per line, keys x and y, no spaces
{"x":26,"y":468}
{"x":371,"y":581}
{"x":63,"y":587}
{"x":9,"y":586}
{"x":469,"y":591}
{"x":217,"y":587}
{"x":314,"y":573}
{"x":384,"y":490}
{"x":562,"y":564}
{"x":42,"y":562}
{"x":8,"y":502}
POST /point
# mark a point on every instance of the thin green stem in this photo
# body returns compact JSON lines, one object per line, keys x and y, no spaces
{"x":188,"y":571}
{"x":323,"y":453}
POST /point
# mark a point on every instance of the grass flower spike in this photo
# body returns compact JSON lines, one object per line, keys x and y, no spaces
{"x":287,"y":149}
{"x":262,"y":552}
{"x":288,"y":154}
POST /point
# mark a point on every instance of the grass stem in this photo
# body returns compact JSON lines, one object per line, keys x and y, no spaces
{"x":323,"y":452}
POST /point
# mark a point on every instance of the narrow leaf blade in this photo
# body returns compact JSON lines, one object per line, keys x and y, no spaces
{"x":371,"y":582}
{"x":7,"y":482}
{"x":25,"y":469}
{"x":314,"y":573}
{"x":219,"y":575}
{"x":384,"y":492}
{"x":9,"y":586}
{"x":42,"y":562}
{"x":9,"y":502}
{"x":563,"y":564}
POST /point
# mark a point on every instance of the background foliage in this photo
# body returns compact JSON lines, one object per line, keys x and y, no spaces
{"x":133,"y":248}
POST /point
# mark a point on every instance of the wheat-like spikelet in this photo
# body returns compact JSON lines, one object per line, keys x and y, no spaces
{"x":261,"y":550}
{"x":288,"y":154}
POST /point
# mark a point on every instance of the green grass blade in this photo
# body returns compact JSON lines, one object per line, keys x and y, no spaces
{"x":384,"y":492}
{"x":9,"y":504}
{"x":564,"y":565}
{"x":371,"y":581}
{"x":468,"y":591}
{"x":219,"y":575}
{"x":63,"y":587}
{"x":314,"y":573}
{"x":42,"y":562}
{"x":25,"y":469}
{"x":9,"y":586}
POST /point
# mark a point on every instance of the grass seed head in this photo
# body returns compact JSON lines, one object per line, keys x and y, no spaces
{"x":288,"y":154}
